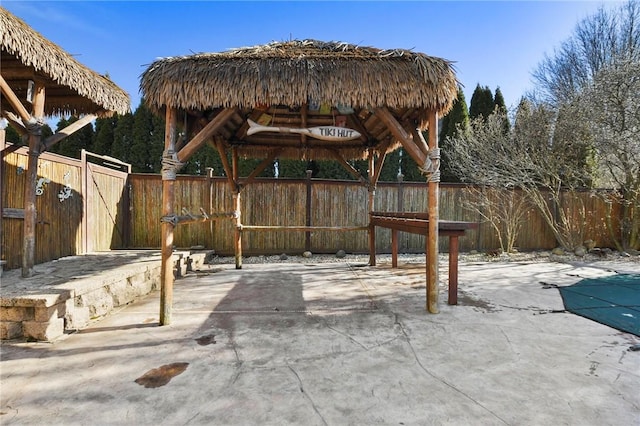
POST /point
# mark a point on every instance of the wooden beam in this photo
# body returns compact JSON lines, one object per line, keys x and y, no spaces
{"x":383,"y":155}
{"x":401,"y":134}
{"x":418,"y":139}
{"x":302,"y":228}
{"x":263,"y":165}
{"x":2,"y":153}
{"x":15,"y":102}
{"x":348,"y":167}
{"x":225,"y":165}
{"x":241,"y":133}
{"x":432,"y":239}
{"x":67,"y":131}
{"x":168,"y":199}
{"x":30,"y":214}
{"x":16,"y":123}
{"x":214,"y":125}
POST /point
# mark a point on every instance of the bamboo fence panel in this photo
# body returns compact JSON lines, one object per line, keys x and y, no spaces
{"x":221,"y":201}
{"x":339,"y":204}
{"x":58,"y":223}
{"x":146,"y":209}
{"x":267,"y":204}
{"x":281,"y":202}
{"x":386,"y":199}
{"x":13,"y":198}
{"x":191,"y":194}
{"x":107,"y":208}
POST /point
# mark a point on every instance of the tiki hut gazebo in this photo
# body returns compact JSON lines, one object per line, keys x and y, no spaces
{"x":300,"y":99}
{"x":38,"y":79}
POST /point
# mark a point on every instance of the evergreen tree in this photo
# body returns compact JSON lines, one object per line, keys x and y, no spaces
{"x":104,"y":134}
{"x":330,"y":169}
{"x":156,"y":144}
{"x":11,"y":135}
{"x":498,"y":101}
{"x":206,"y":157}
{"x":72,"y":145}
{"x":501,"y":108}
{"x":123,"y":138}
{"x":46,"y":132}
{"x":292,"y":168}
{"x":142,"y":135}
{"x":409,"y":168}
{"x":246,"y":166}
{"x":391,"y":167}
{"x":482,"y":104}
{"x":455,"y":123}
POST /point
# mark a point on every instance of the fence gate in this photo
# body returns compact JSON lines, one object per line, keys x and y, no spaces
{"x":106,"y":203}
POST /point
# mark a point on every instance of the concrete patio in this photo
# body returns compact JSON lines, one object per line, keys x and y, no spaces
{"x":337,"y":344}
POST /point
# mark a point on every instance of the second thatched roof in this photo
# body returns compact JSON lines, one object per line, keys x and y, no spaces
{"x":70,"y":87}
{"x":300,"y":71}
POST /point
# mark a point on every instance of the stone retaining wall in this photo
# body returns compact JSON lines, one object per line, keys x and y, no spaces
{"x":73,"y":304}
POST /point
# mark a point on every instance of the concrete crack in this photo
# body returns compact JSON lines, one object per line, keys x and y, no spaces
{"x":347,"y":336}
{"x":306,"y":395}
{"x":509,"y":342}
{"x":193,"y":417}
{"x":415,"y":355}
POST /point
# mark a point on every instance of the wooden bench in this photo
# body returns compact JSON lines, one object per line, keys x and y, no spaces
{"x":418,"y":223}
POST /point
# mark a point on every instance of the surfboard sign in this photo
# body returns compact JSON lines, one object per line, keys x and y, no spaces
{"x":325,"y":133}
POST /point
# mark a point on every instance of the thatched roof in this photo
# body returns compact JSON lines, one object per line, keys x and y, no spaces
{"x":286,"y":82}
{"x":299,"y":71}
{"x":70,"y":87}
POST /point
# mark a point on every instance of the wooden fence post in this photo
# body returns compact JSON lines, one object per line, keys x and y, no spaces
{"x":2,"y":147}
{"x":371,"y":189}
{"x":432,"y":239}
{"x":30,"y":214}
{"x":168,"y":196}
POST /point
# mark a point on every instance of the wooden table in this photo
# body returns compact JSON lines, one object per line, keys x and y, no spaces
{"x":418,"y":223}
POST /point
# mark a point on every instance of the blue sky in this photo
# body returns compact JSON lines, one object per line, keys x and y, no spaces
{"x":495,"y":44}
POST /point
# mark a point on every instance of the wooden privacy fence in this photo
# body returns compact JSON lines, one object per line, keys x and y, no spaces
{"x":82,"y":206}
{"x":95,"y":204}
{"x":319,"y":203}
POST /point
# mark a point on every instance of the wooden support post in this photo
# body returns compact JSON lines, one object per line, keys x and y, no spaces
{"x":394,"y":248}
{"x":453,"y":270}
{"x":380,"y":163}
{"x":371,"y":205}
{"x":237,"y":235}
{"x":2,"y":147}
{"x":225,"y":165}
{"x":84,"y":169}
{"x":168,"y":183}
{"x":432,"y":238}
{"x":29,"y":223}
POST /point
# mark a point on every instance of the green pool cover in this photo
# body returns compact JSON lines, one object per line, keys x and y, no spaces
{"x":613,"y":300}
